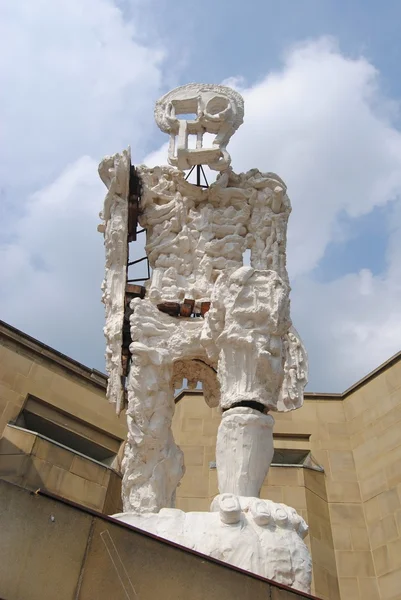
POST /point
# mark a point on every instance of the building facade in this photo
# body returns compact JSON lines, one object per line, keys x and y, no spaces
{"x":58,"y":432}
{"x":337,"y":459}
{"x":338,"y":463}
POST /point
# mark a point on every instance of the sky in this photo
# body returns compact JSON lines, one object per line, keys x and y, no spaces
{"x":320,"y":80}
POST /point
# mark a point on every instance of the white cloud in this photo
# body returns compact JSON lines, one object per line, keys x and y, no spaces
{"x":322,"y":124}
{"x":350,"y":326}
{"x":84,"y":86}
{"x":75,"y":81}
{"x":76,"y":84}
{"x":51,"y":273}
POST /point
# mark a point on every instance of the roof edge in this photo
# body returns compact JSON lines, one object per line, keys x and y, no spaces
{"x":378,"y":371}
{"x":92,"y":376}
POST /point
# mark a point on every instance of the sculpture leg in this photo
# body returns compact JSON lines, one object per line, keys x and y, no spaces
{"x":152,"y":465}
{"x":244,"y":451}
{"x":254,"y":305}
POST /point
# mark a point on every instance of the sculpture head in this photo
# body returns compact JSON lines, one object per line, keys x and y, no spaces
{"x":217,"y":110}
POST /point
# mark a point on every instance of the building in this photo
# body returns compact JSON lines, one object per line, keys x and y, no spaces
{"x":58,"y":432}
{"x":338,"y":463}
{"x":337,"y":459}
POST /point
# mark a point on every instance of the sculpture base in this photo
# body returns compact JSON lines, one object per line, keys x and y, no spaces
{"x":260,"y":536}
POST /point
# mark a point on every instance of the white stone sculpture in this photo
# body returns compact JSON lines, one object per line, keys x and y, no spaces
{"x":115,"y":172}
{"x":217,"y":110}
{"x":243,"y":348}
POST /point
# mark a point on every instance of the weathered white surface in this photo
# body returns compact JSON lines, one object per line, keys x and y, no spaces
{"x":245,"y":350}
{"x":195,"y":234}
{"x":153,"y":465}
{"x":260,"y":356}
{"x":196,"y":239}
{"x":244,"y":451}
{"x":216,"y":109}
{"x":114,"y":172}
{"x":256,"y":535}
{"x":247,"y":369}
{"x":195,"y":243}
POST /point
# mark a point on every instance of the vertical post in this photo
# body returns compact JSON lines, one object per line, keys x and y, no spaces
{"x":198,"y":175}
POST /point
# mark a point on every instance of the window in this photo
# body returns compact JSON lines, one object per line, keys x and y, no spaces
{"x":289,"y":457}
{"x":65,"y":429}
{"x":284,"y":457}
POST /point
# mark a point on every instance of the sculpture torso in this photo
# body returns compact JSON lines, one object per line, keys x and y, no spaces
{"x":195,"y":234}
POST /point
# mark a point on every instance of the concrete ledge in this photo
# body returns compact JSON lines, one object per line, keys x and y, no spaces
{"x":33,"y":461}
{"x":52,"y":548}
{"x":34,"y":346}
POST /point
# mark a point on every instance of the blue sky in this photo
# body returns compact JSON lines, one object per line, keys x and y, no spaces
{"x":322,"y":108}
{"x":220,"y":39}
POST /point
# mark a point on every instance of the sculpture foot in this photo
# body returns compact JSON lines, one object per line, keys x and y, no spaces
{"x":260,"y":536}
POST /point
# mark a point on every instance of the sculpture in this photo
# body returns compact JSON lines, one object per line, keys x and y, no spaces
{"x":217,"y":109}
{"x":206,"y":317}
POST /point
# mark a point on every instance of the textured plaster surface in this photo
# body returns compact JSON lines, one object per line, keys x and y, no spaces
{"x":114,"y":171}
{"x":259,"y":536}
{"x":244,"y":348}
{"x":216,"y":110}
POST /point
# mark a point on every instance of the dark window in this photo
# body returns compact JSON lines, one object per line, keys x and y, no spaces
{"x":65,"y":429}
{"x":289,"y":457}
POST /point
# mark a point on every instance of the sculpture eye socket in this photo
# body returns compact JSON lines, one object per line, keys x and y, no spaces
{"x":217,"y":105}
{"x":185,"y":109}
{"x":187,"y":116}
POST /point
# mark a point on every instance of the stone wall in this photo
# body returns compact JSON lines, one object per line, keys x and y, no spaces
{"x":29,"y":367}
{"x":374,"y":422}
{"x":195,"y":427}
{"x":71,"y":397}
{"x":353,"y":509}
{"x":69,"y":553}
{"x":31,"y":461}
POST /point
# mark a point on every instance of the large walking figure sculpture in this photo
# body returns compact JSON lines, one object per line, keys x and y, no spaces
{"x":205,"y":315}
